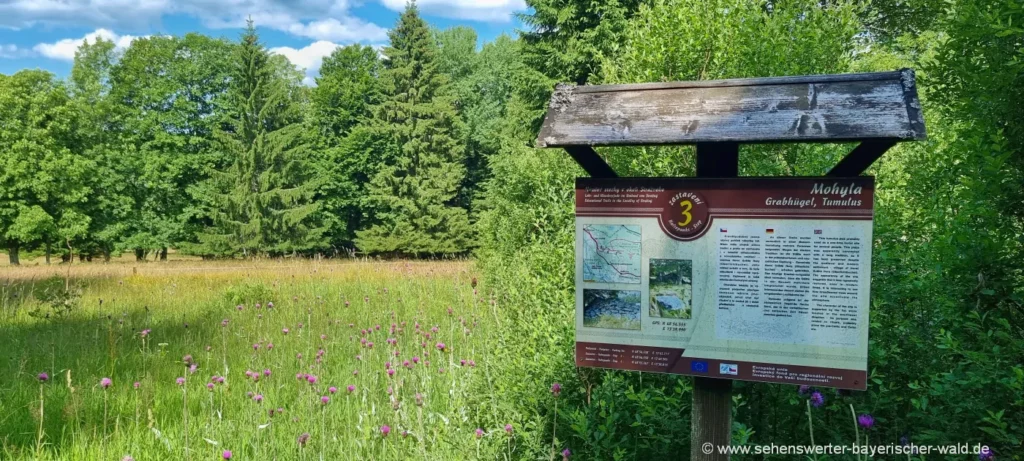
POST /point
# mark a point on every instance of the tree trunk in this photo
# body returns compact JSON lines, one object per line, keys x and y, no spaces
{"x":163,"y":254}
{"x":140,"y":254}
{"x":81,"y":257}
{"x":48,"y":250}
{"x":106,"y":255}
{"x":13,"y":248}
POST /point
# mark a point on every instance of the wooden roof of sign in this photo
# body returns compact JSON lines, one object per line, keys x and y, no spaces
{"x":878,"y":109}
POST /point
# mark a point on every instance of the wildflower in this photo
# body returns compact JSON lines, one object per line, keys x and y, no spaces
{"x":325,"y":399}
{"x":986,"y":454}
{"x":405,"y":434}
{"x":441,"y":347}
{"x":105,"y":383}
{"x":137,"y":384}
{"x":405,"y":363}
{"x":209,"y":386}
{"x":257,"y":305}
{"x":192,"y":368}
{"x":187,"y":359}
{"x":323,"y":337}
{"x":391,"y":371}
{"x":369,"y":345}
{"x":311,"y":379}
{"x":270,"y":346}
{"x":385,"y":430}
{"x":209,"y":348}
{"x":351,"y":388}
{"x":556,"y":389}
{"x":300,"y":325}
{"x":355,"y":372}
{"x":419,"y":399}
{"x":284,"y":330}
{"x":180,"y":381}
{"x":866,"y":421}
{"x":224,"y":323}
{"x":226,"y":454}
{"x":472,"y":364}
{"x":332,"y":389}
{"x":239,"y":307}
{"x":144,"y":333}
{"x":266,"y":372}
{"x":256,"y":347}
{"x":127,"y":458}
{"x":479,"y":433}
{"x":303,"y":439}
{"x":270,"y":305}
{"x":817,"y":399}
{"x":258,"y":398}
{"x":220,"y":380}
{"x":804,"y":390}
{"x":566,"y":454}
{"x":359,"y":357}
{"x":43,"y":377}
{"x":462,"y":362}
{"x":300,"y":376}
{"x":415,"y":360}
{"x":508,"y":429}
{"x":387,"y":365}
{"x":298,"y":356}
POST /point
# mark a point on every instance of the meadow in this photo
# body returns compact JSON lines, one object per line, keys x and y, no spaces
{"x":271,"y":359}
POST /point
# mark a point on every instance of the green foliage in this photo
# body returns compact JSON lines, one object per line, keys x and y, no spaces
{"x":413,"y":191}
{"x":57,"y":298}
{"x":262,"y":203}
{"x":248,"y":293}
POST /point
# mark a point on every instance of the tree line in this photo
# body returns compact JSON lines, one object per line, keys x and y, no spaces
{"x":216,"y":148}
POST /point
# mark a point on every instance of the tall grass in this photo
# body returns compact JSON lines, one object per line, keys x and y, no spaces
{"x":347,"y":324}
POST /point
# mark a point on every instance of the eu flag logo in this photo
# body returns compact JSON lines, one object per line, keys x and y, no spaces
{"x":699,"y":366}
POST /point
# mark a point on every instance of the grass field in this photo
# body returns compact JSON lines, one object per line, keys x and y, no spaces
{"x":353,"y":360}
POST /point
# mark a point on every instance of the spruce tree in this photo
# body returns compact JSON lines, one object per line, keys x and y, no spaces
{"x":414,"y":193}
{"x":263,"y":201}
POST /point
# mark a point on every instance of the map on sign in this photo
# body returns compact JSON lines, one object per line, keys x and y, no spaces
{"x":611,"y":253}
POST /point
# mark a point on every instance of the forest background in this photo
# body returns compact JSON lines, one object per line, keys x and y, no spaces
{"x":424,"y":148}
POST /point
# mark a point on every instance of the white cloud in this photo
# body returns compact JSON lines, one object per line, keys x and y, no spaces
{"x":348,"y":29}
{"x":316,"y":19}
{"x":13,"y":52}
{"x":477,"y":10}
{"x":65,"y":49}
{"x":308,"y":58}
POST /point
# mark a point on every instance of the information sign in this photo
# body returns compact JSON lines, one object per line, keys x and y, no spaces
{"x":758,"y":279}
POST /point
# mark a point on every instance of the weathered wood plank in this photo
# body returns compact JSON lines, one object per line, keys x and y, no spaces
{"x":824,"y":108}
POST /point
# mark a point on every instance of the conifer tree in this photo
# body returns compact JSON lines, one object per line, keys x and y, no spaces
{"x":414,"y":193}
{"x":263,"y":201}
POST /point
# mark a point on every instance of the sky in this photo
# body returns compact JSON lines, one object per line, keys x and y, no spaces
{"x":44,"y":34}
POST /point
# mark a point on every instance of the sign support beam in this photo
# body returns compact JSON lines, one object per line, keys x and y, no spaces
{"x":591,"y":162}
{"x":861,"y":157}
{"x":711,"y":414}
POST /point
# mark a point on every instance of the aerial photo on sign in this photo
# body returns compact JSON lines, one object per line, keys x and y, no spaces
{"x":750,"y":279}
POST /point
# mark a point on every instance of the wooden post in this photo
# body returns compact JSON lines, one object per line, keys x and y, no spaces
{"x":711,"y":416}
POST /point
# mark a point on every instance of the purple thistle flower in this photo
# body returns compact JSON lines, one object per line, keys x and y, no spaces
{"x":187,"y":359}
{"x":209,"y":386}
{"x":479,"y":433}
{"x":566,"y":454}
{"x":180,"y":381}
{"x":43,"y":377}
{"x":105,"y":383}
{"x":804,"y":390}
{"x":441,"y":347}
{"x":249,"y":394}
{"x":415,"y":360}
{"x":270,"y":346}
{"x":192,"y":368}
{"x":419,"y":399}
{"x":226,"y":454}
{"x":866,"y":421}
{"x":323,"y":337}
{"x":462,"y":362}
{"x":385,"y":430}
{"x":391,"y":371}
{"x":137,"y":384}
{"x":144,"y":333}
{"x":355,"y":372}
{"x":270,"y":305}
{"x":224,"y":323}
{"x":405,"y":363}
{"x":405,"y":434}
{"x":303,"y":439}
{"x":817,"y":399}
{"x":127,"y":458}
{"x":325,"y":399}
{"x":239,"y":307}
{"x":256,"y":347}
{"x":508,"y":429}
{"x":311,"y":379}
{"x":284,"y":330}
{"x":556,"y":389}
{"x":332,"y":390}
{"x":266,"y":372}
{"x":258,"y":398}
{"x":351,"y":388}
{"x":986,"y":454}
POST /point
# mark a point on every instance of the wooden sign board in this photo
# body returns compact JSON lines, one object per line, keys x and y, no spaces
{"x":753,"y":279}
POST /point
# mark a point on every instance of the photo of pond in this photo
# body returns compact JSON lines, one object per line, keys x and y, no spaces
{"x":614,"y":309}
{"x":671,"y":288}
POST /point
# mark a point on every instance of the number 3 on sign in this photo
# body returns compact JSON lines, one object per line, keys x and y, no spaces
{"x":687,"y":206}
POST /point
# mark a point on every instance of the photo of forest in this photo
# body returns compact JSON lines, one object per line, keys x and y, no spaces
{"x":671,"y":288}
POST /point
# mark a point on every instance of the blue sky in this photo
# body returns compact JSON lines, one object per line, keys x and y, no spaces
{"x":45,"y":33}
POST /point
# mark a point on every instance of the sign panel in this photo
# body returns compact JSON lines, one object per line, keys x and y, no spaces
{"x":754,"y":279}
